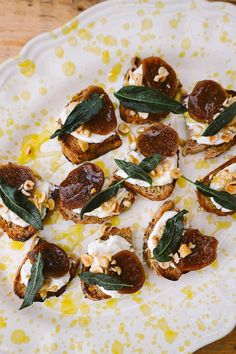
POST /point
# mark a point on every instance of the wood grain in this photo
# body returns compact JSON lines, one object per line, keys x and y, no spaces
{"x":21,"y":20}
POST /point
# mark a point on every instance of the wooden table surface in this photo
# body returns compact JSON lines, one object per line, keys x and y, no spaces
{"x":21,"y":20}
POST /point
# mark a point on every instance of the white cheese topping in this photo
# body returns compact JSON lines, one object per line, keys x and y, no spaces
{"x":161,"y":179}
{"x":158,"y":229}
{"x":219,"y":183}
{"x":162,"y":74}
{"x":93,"y":138}
{"x":107,"y":209}
{"x":108,"y":248}
{"x":10,"y":216}
{"x":55,"y":283}
{"x":226,"y":134}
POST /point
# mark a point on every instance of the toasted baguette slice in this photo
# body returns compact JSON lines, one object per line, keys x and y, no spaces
{"x":170,"y":87}
{"x":205,"y":201}
{"x":202,"y":255}
{"x":16,"y":176}
{"x":152,"y":193}
{"x":93,"y":292}
{"x":78,"y":151}
{"x":211,"y":151}
{"x":19,"y":287}
{"x":121,"y":207}
{"x":73,"y":152}
{"x":204,"y":89}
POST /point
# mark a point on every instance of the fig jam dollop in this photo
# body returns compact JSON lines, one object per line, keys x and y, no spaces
{"x":205,"y":100}
{"x":16,"y":175}
{"x":151,"y":65}
{"x":77,"y":188}
{"x":203,"y":253}
{"x":132,"y":271}
{"x":56,"y":263}
{"x":158,"y":139}
{"x":104,"y":121}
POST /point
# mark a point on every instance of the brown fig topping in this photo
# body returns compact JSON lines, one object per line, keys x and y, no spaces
{"x":203,"y":251}
{"x":55,"y":260}
{"x":16,"y":175}
{"x":104,"y":121}
{"x":80,"y":185}
{"x":132,"y":271}
{"x":205,"y":100}
{"x":167,"y":85}
{"x":158,"y":139}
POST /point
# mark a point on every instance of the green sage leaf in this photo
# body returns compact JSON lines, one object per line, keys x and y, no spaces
{"x":149,"y":100}
{"x":133,"y":170}
{"x":35,"y":282}
{"x":150,"y":163}
{"x":224,"y":118}
{"x":171,"y":238}
{"x":82,"y":113}
{"x":108,"y":282}
{"x":20,"y":205}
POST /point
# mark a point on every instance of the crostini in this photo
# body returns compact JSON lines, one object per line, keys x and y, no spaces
{"x":205,"y":103}
{"x":24,"y":201}
{"x":223,"y":178}
{"x":156,"y":139}
{"x":151,"y":72}
{"x":58,"y":270}
{"x":91,"y":138}
{"x":80,"y":186}
{"x":111,"y":255}
{"x":192,"y":251}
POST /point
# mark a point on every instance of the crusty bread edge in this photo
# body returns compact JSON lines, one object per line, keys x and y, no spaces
{"x":19,"y":288}
{"x":205,"y":201}
{"x":93,"y":292}
{"x":169,"y":273}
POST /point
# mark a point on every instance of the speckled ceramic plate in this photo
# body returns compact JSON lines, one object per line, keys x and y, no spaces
{"x":197,"y":39}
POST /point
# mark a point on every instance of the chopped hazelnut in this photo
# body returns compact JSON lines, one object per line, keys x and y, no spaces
{"x":123,"y":128}
{"x":104,"y":261}
{"x":96,"y":269}
{"x":127,"y":203}
{"x":86,"y":259}
{"x":176,"y":173}
{"x":84,"y":146}
{"x":184,"y":250}
{"x":93,"y":190}
{"x":87,"y":133}
{"x":28,"y":185}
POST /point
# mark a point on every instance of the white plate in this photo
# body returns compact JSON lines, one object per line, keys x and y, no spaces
{"x":197,"y":38}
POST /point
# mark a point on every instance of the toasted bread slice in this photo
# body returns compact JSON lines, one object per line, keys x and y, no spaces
{"x":93,"y":292}
{"x":19,"y":287}
{"x":78,"y":151}
{"x":198,"y":100}
{"x":152,"y":193}
{"x":205,"y":201}
{"x":203,"y":253}
{"x":16,"y":176}
{"x":73,"y":152}
{"x":211,"y":151}
{"x":169,"y":86}
{"x":121,"y":207}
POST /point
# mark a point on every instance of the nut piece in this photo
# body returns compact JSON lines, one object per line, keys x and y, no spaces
{"x":93,"y":190}
{"x":184,"y":250}
{"x":86,"y":259}
{"x":41,"y":197}
{"x":96,"y":269}
{"x":127,"y":203}
{"x":143,"y":115}
{"x":51,"y":204}
{"x":123,"y":129}
{"x":162,"y":74}
{"x":118,"y":270}
{"x":176,"y":173}
{"x":84,"y":146}
{"x":25,"y":193}
{"x":104,"y":261}
{"x":231,"y":188}
{"x":87,"y":133}
{"x":28,"y":185}
{"x":28,"y":150}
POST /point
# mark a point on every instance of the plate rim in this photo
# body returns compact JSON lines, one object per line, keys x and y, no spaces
{"x":9,"y":66}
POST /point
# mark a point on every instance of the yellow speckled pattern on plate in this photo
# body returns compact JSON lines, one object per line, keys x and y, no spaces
{"x":197,"y":39}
